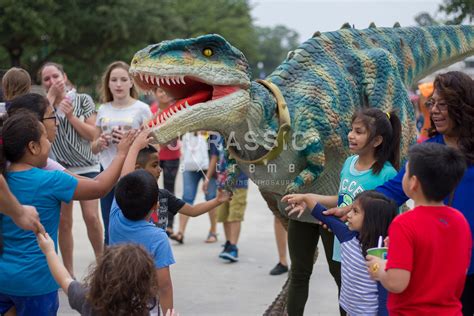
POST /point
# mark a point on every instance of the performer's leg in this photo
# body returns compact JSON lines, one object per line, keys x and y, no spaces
{"x":327,"y":238}
{"x":302,"y":241}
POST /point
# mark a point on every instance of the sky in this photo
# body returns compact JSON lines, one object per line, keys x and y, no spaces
{"x":309,"y":16}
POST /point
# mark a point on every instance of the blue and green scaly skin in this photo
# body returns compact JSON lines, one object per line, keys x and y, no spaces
{"x":324,"y":81}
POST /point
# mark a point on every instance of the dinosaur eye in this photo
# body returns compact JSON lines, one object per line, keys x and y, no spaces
{"x":207,"y":52}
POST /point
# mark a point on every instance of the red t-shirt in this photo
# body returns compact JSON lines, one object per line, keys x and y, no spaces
{"x":433,"y":243}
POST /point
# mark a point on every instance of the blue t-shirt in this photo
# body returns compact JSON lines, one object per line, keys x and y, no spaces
{"x":142,"y":232}
{"x":354,"y":182}
{"x":461,"y":198}
{"x":23,"y":267}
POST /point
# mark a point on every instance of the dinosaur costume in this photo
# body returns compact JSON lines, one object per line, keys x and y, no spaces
{"x":289,"y":133}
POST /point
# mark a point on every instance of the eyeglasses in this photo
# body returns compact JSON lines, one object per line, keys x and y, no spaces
{"x":50,"y":118}
{"x":441,"y":105}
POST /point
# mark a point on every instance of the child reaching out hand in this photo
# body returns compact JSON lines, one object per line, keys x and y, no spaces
{"x":121,"y":283}
{"x":369,"y":218}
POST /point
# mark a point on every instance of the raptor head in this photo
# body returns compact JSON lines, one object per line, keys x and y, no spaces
{"x":207,"y":77}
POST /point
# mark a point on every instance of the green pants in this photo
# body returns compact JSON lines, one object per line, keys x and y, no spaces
{"x":303,"y":240}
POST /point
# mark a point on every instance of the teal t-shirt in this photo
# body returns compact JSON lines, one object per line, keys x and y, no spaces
{"x":353,"y":182}
{"x":23,"y":267}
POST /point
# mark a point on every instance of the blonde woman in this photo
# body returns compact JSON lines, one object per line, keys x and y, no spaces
{"x":120,"y":111}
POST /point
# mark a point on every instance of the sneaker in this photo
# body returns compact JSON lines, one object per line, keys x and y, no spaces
{"x":230,"y":253}
{"x":225,"y":246}
{"x":279,"y":269}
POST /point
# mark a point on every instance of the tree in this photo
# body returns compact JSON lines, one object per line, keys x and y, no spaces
{"x":83,"y":34}
{"x":274,"y":43}
{"x":459,"y":10}
{"x":228,"y":18}
{"x":456,"y":12}
{"x":86,"y":35}
{"x":425,"y":19}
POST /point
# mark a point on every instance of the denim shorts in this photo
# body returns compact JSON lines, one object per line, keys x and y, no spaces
{"x":38,"y":305}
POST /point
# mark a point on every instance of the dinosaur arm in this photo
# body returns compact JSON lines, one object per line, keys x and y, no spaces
{"x":315,"y":164}
{"x":227,"y":178}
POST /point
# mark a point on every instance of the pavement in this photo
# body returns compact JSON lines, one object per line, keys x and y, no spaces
{"x":206,"y":285}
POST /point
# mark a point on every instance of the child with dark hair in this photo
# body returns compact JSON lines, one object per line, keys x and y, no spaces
{"x":136,"y":198}
{"x":374,"y":142}
{"x":38,"y":105}
{"x":147,"y":158}
{"x":368,"y":220}
{"x":430,"y":246}
{"x":25,"y":281}
{"x":122,"y":282}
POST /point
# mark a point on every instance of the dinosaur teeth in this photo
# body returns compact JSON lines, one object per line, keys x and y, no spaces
{"x":182,"y":80}
{"x":167,"y":80}
{"x":141,"y":76}
{"x":172,"y":80}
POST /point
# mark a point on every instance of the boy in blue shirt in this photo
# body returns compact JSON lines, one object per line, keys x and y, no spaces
{"x":136,"y":198}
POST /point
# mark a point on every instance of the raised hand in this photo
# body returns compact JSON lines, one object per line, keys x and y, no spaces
{"x":126,"y":142}
{"x":66,"y":107}
{"x":142,"y":139}
{"x":296,"y":204}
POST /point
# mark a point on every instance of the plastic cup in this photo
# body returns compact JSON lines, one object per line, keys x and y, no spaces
{"x":378,"y":252}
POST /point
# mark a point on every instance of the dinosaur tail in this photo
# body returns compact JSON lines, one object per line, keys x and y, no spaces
{"x":424,"y":50}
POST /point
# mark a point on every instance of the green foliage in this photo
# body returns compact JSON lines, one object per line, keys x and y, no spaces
{"x":456,"y":12}
{"x":86,"y":35}
{"x":274,"y":45}
{"x":459,"y":10}
{"x":425,"y":19}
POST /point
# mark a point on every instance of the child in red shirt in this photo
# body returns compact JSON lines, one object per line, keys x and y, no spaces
{"x":430,"y":246}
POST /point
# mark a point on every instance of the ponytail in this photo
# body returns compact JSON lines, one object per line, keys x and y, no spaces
{"x":386,"y":125}
{"x":394,"y":142}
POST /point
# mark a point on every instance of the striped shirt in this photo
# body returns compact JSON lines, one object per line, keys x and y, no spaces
{"x":359,"y":294}
{"x":69,"y":148}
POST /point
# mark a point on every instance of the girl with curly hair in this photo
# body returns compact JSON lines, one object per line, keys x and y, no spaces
{"x":122,"y":283}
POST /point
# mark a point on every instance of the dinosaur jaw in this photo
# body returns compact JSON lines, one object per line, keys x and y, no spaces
{"x":198,"y":105}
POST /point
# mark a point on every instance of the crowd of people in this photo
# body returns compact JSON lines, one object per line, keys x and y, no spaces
{"x":59,"y":147}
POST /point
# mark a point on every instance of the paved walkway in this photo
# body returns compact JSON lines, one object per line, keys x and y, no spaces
{"x":206,"y":285}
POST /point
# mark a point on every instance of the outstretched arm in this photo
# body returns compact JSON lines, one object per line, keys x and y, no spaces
{"x":139,"y":143}
{"x":59,"y":272}
{"x":89,"y":189}
{"x":393,"y":188}
{"x":204,"y":207}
